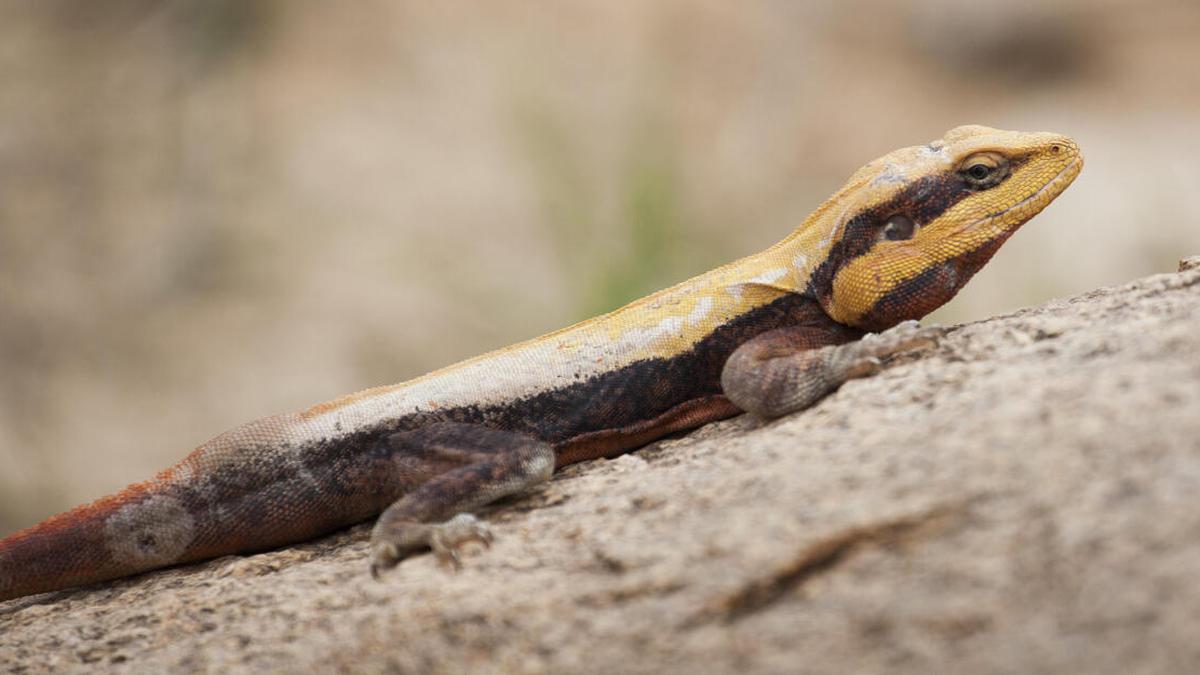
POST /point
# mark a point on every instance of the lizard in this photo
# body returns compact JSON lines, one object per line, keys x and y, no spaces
{"x":769,"y":334}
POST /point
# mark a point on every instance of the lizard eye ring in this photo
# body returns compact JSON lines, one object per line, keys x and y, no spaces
{"x":983,"y":170}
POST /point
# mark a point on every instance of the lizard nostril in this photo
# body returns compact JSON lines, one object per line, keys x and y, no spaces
{"x":1056,"y":148}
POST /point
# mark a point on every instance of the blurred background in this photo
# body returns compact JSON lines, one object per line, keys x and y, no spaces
{"x":215,"y":210}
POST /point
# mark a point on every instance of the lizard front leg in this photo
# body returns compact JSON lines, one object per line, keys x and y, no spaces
{"x":459,"y":467}
{"x":789,"y":369}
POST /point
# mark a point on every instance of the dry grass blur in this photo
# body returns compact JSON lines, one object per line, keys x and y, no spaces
{"x":215,"y":210}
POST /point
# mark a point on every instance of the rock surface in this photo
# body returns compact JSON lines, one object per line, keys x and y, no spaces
{"x":1023,"y":498}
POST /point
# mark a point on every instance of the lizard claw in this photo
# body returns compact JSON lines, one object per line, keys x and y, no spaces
{"x":863,"y":367}
{"x":866,"y":357}
{"x":447,"y":537}
{"x":384,"y":556}
{"x":902,"y":337}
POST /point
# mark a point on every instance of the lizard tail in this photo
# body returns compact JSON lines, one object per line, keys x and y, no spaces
{"x":167,"y":520}
{"x":137,"y":529}
{"x":238,"y":493}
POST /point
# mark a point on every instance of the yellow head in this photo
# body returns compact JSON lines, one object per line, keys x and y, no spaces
{"x":914,"y":225}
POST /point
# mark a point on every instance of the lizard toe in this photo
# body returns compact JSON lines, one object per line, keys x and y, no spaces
{"x":384,"y":556}
{"x":905,"y":336}
{"x":447,"y":538}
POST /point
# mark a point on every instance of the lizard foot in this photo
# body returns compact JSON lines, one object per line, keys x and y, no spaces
{"x":904,"y":336}
{"x":388,"y":548}
{"x":865,"y":357}
{"x":452,"y":534}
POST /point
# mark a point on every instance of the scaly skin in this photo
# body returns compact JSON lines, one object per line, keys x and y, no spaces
{"x":899,"y":240}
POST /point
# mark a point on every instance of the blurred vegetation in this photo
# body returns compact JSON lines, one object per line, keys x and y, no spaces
{"x":607,"y":264}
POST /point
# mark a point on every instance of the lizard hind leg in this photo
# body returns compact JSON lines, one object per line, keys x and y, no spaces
{"x":457,"y":468}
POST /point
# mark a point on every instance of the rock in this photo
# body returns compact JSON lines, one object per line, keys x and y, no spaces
{"x":1025,"y":497}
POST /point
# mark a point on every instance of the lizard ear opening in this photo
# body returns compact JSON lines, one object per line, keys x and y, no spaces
{"x":897,"y":228}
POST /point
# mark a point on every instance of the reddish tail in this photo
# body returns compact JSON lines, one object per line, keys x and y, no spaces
{"x":81,"y":546}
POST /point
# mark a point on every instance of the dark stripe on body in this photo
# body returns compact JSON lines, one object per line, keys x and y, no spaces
{"x":644,"y":389}
{"x":260,"y":501}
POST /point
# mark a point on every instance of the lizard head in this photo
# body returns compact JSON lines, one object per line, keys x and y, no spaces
{"x":909,"y":229}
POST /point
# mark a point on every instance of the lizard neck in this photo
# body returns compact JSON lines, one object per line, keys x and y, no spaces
{"x":788,"y":265}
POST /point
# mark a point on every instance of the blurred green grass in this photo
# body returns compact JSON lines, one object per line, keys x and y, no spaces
{"x":610,"y":262}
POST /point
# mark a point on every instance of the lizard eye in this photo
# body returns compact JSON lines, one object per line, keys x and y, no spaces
{"x":984,"y":170}
{"x":897,"y":228}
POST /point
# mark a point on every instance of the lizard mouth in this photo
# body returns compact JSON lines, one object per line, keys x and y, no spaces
{"x":1034,"y":203}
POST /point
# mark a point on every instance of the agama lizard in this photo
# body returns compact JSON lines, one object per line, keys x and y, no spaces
{"x":771,"y":333}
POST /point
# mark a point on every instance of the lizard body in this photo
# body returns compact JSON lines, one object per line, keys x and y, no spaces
{"x":770,"y":333}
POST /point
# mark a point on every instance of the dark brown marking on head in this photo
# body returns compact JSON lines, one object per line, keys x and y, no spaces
{"x":923,"y":201}
{"x":932,"y":288}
